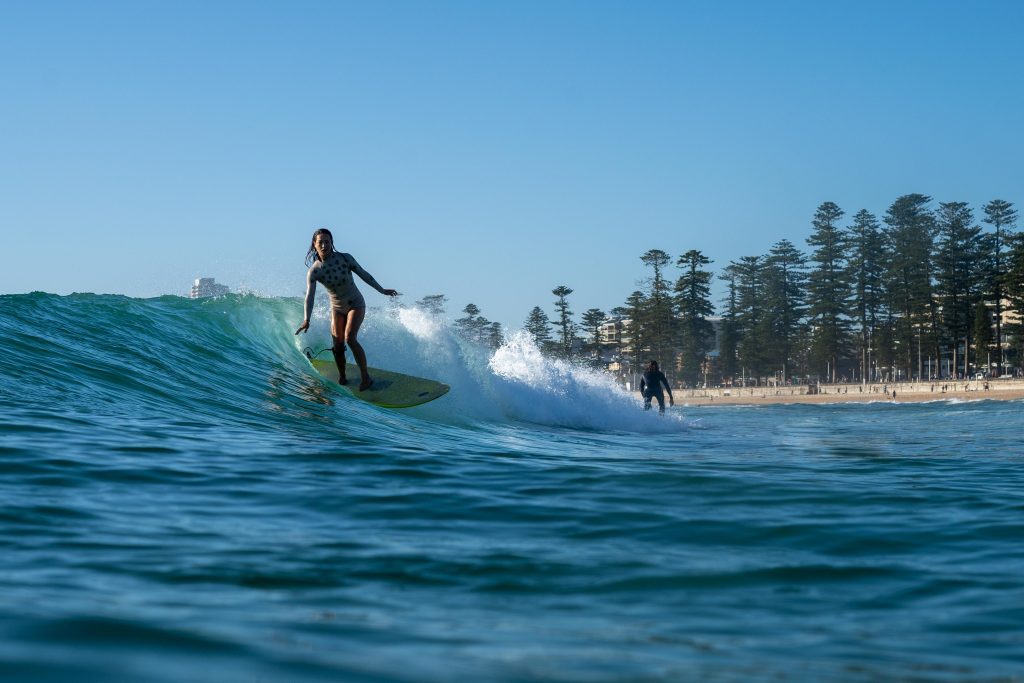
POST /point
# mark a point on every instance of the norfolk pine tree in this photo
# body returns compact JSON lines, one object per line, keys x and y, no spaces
{"x":592,"y":319}
{"x":494,"y":335}
{"x":828,"y":289}
{"x":960,"y":274}
{"x":539,"y":328}
{"x":752,"y":326}
{"x":727,"y":336}
{"x":909,"y":236}
{"x":1003,"y":218}
{"x":473,"y":326}
{"x":1013,"y":285}
{"x":785,"y":280}
{"x":867,"y":268}
{"x":565,"y":324}
{"x":636,"y":309}
{"x":693,"y":300}
{"x":660,"y":318}
{"x":433,"y":304}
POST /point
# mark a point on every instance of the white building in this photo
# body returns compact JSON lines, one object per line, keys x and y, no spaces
{"x":207,"y":286}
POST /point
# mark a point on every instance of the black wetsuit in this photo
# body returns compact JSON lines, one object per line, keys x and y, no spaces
{"x":650,"y":387}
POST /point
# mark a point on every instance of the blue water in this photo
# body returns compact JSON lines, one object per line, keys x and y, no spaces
{"x":183,"y":499}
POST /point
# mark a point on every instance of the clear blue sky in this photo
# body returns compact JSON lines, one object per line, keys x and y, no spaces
{"x":485,"y":150}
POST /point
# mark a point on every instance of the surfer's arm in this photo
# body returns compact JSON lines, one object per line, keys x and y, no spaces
{"x":310,"y":296}
{"x":367,"y":278}
{"x":664,"y":380}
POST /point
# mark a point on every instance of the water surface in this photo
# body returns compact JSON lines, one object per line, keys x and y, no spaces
{"x":183,"y":498}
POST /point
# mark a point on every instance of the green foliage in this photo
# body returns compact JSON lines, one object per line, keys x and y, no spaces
{"x":495,"y":335}
{"x":474,"y":326}
{"x":752,"y":326}
{"x":785,"y":280}
{"x":961,"y":272}
{"x":592,"y":319}
{"x":1002,"y":217}
{"x":635,"y":310}
{"x":982,"y":334}
{"x":867,"y":266}
{"x":539,"y":327}
{"x":693,"y":301}
{"x":566,"y":327}
{"x":885,"y":361}
{"x":659,"y":313}
{"x":828,"y":290}
{"x":911,"y":289}
{"x":910,"y":228}
{"x":434,"y":304}
{"x":1014,"y":286}
{"x":728,"y":337}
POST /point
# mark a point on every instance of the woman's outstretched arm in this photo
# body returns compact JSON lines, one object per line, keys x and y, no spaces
{"x":310,"y":296}
{"x":367,"y":278}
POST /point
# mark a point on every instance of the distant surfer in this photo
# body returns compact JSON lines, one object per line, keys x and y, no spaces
{"x":650,"y":387}
{"x":333,"y":269}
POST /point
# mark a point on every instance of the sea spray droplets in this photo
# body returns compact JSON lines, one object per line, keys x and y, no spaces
{"x":516,"y":382}
{"x":520,"y":359}
{"x":419,"y":322}
{"x":550,"y":391}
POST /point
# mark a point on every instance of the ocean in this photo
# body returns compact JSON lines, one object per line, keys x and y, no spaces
{"x":182,"y":498}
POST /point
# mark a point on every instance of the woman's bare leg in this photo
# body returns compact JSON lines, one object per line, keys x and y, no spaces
{"x":355,"y":319}
{"x":338,"y":325}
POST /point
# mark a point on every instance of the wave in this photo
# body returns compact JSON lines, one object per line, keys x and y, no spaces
{"x":234,"y":361}
{"x":514,"y":383}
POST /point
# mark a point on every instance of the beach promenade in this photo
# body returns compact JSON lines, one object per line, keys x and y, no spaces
{"x":973,"y":390}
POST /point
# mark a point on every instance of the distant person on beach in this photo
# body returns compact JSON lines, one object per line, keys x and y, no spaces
{"x":650,"y":387}
{"x":333,"y":269}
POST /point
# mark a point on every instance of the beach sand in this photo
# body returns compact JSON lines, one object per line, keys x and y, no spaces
{"x":906,"y":392}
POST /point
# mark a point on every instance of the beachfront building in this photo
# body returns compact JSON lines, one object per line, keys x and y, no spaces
{"x":615,"y":344}
{"x":712,"y":359}
{"x":619,"y":355}
{"x":207,"y":286}
{"x":962,"y":357}
{"x":1009,"y":343}
{"x":617,"y":352}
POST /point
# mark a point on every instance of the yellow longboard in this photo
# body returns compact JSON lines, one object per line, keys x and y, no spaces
{"x":389,"y":389}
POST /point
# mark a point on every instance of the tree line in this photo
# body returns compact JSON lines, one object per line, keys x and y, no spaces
{"x":920,"y":293}
{"x":913,"y":296}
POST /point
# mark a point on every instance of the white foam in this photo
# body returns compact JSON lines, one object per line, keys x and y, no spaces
{"x":419,"y":322}
{"x":515,"y":382}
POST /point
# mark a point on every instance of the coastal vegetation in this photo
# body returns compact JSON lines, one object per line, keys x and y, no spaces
{"x":925,"y":292}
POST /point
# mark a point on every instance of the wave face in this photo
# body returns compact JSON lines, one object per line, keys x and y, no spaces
{"x":184,"y":498}
{"x":216,"y":358}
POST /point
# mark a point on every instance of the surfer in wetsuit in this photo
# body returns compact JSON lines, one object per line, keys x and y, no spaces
{"x":650,"y":387}
{"x":333,"y":269}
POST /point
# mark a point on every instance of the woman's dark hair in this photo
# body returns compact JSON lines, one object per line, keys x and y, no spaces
{"x":311,"y":255}
{"x":654,"y":364}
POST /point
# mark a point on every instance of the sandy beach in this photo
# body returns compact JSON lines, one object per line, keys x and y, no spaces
{"x":906,"y":392}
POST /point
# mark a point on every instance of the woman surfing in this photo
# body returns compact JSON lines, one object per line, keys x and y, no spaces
{"x":333,"y":269}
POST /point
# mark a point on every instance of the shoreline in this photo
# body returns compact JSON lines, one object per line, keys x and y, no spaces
{"x":906,"y":392}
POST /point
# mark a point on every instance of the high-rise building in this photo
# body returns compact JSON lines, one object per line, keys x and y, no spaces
{"x":207,"y":286}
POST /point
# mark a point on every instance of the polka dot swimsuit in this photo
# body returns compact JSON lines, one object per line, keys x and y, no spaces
{"x":335,"y":274}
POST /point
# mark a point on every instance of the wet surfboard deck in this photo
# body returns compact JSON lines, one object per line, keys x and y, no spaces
{"x":389,"y":389}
